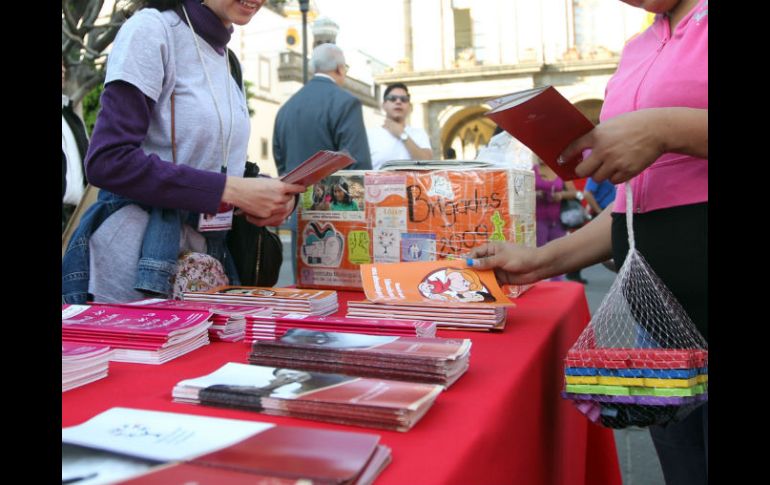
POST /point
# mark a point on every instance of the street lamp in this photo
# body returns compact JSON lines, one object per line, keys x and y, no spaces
{"x":304,"y":7}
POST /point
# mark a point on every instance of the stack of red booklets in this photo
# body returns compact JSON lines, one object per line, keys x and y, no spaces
{"x":434,"y":360}
{"x":446,"y":292}
{"x":281,"y":300}
{"x":318,"y":167}
{"x":273,"y":327}
{"x":83,"y":363}
{"x":336,"y":398}
{"x":228,"y":321}
{"x":182,"y":448}
{"x":142,"y":335}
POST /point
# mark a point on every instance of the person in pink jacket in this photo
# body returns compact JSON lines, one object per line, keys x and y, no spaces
{"x":653,"y":134}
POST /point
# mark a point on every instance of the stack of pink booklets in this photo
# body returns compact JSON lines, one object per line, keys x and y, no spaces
{"x":228,"y":321}
{"x":281,"y":300}
{"x":259,"y":327}
{"x":83,"y":363}
{"x":142,"y":335}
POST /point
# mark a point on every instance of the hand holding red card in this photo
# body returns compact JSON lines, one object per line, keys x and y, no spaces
{"x":317,"y":167}
{"x":546,"y":122}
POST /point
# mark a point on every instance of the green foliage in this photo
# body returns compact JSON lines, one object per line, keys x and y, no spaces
{"x":249,"y":86}
{"x":91,"y":107}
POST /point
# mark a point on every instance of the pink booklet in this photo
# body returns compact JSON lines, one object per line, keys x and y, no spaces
{"x":71,"y":351}
{"x":120,"y":321}
{"x":293,"y":320}
{"x":318,"y":167}
{"x":218,"y":309}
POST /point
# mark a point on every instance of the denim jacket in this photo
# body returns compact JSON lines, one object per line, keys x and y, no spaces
{"x":160,"y":249}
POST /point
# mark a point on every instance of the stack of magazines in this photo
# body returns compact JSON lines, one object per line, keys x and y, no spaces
{"x":134,"y":446}
{"x":83,"y":363}
{"x":142,"y":335}
{"x":434,"y":360}
{"x":272,"y":327}
{"x":446,"y":292}
{"x":228,"y":321}
{"x":450,"y":317}
{"x":281,"y":300}
{"x":336,"y":398}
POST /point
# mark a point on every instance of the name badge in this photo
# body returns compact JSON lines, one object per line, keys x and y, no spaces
{"x":221,"y":221}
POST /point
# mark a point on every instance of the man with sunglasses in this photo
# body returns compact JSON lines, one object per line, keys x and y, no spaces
{"x":394,"y":140}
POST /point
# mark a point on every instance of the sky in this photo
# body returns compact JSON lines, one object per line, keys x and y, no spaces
{"x":372,"y":26}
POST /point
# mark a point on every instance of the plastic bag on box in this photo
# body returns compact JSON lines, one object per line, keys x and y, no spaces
{"x":506,"y":151}
{"x":640,"y":361}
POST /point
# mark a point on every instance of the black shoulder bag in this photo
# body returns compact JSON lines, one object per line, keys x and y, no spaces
{"x":256,"y":251}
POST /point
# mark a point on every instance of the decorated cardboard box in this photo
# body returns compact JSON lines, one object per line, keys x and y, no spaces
{"x":357,"y":217}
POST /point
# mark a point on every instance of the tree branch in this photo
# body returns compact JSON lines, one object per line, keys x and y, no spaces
{"x":85,"y":88}
{"x":95,"y":6}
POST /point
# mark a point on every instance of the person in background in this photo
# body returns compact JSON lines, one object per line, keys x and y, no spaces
{"x":74,"y":144}
{"x":320,"y":116}
{"x":394,"y":140}
{"x":653,"y":135}
{"x":168,"y":62}
{"x":550,"y":190}
{"x":598,"y":195}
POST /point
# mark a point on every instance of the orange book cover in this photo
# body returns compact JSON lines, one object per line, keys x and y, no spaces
{"x":545,"y":121}
{"x":432,"y":282}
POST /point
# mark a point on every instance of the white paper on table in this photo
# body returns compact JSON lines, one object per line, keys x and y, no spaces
{"x":159,"y":435}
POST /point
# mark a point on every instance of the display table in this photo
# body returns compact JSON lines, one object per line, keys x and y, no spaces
{"x":503,"y":421}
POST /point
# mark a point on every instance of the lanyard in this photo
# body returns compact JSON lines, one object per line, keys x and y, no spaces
{"x":225,"y":146}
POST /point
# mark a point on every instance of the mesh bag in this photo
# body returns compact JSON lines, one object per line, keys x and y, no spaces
{"x":640,"y":361}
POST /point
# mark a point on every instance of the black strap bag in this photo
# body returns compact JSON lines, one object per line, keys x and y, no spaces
{"x":256,"y":251}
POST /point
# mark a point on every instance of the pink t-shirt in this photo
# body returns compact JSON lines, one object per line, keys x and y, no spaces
{"x":658,"y":69}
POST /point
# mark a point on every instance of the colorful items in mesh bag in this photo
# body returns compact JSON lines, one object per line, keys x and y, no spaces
{"x":636,"y":387}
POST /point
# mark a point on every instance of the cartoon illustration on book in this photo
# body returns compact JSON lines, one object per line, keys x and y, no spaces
{"x":453,"y":284}
{"x":322,"y":245}
{"x":443,"y":282}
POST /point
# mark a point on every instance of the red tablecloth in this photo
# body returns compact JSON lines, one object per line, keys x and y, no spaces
{"x":503,"y":421}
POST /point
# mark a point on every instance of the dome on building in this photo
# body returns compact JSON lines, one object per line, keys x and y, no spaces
{"x":324,"y":31}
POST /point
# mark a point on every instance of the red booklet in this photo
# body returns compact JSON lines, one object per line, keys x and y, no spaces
{"x":545,"y":121}
{"x":217,"y":309}
{"x":186,"y":473}
{"x":149,"y":324}
{"x":278,"y":324}
{"x":318,"y":167}
{"x":216,"y":447}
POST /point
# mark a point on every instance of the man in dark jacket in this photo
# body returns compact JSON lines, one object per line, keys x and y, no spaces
{"x":320,"y":116}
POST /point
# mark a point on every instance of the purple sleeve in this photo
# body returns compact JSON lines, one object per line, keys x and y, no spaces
{"x":116,"y":161}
